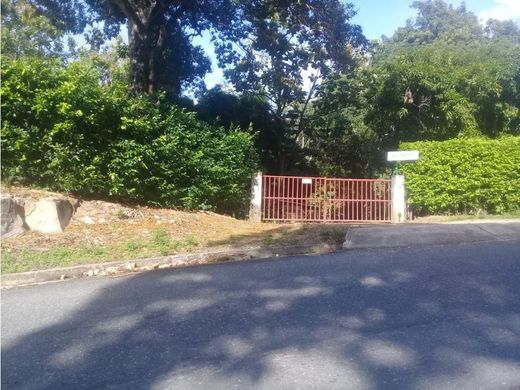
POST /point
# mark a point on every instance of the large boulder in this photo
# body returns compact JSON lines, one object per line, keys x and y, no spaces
{"x":12,"y":218}
{"x":49,"y":215}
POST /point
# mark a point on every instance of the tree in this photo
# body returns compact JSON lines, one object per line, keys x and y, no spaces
{"x":496,"y":29}
{"x":25,"y":33}
{"x":283,"y":53}
{"x":162,"y":56}
{"x":427,"y":82}
{"x":253,"y":112}
{"x":437,"y":20}
{"x":462,"y":76}
{"x":283,"y":41}
{"x":161,"y":52}
{"x":341,"y":143}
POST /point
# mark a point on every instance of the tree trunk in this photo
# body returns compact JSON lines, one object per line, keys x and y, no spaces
{"x":146,"y":35}
{"x":140,"y":46}
{"x":146,"y":43}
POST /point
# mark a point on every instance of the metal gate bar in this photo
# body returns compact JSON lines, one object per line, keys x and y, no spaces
{"x":322,"y":199}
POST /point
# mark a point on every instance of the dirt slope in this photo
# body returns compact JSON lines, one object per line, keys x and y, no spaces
{"x":103,"y":231}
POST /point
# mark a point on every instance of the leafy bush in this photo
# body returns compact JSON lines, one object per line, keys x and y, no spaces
{"x":71,"y":128}
{"x":464,"y":176}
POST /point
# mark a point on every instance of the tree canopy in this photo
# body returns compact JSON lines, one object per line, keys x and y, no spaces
{"x":25,"y":32}
{"x":163,"y":56}
{"x":312,"y":93}
{"x":442,"y":76}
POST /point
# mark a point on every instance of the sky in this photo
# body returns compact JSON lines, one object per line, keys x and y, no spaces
{"x":383,"y":17}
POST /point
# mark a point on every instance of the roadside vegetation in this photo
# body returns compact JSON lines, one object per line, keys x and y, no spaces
{"x":134,"y":122}
{"x":66,"y":129}
{"x":119,"y":232}
{"x":96,"y":120}
{"x":465,"y":176}
{"x":159,"y":244}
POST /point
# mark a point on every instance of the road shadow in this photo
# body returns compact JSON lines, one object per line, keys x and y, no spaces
{"x":411,"y":319}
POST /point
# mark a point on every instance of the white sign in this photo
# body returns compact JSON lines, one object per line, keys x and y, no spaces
{"x":403,"y":155}
{"x":306,"y":181}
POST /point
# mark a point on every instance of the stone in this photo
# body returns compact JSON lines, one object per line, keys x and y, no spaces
{"x":87,"y":220}
{"x":12,"y":217}
{"x":112,"y":270}
{"x":49,"y":215}
{"x":92,"y":272}
{"x":131,"y":266}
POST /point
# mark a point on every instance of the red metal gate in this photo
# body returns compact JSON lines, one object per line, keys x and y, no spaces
{"x":321,"y":199}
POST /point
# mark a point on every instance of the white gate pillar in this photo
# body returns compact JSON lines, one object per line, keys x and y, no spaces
{"x":398,"y":199}
{"x":255,"y":207}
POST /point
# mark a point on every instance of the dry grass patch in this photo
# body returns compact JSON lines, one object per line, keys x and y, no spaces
{"x":103,"y":231}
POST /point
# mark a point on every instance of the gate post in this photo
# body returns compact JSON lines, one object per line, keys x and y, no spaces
{"x":255,"y":207}
{"x":398,"y":199}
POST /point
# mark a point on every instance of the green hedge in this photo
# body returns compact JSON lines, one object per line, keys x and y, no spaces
{"x":64,"y":128}
{"x":464,"y":176}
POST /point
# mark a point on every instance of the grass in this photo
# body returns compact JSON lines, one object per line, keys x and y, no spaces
{"x":161,"y":240}
{"x":462,"y":217}
{"x":121,"y":214}
{"x":55,"y":257}
{"x":159,"y":244}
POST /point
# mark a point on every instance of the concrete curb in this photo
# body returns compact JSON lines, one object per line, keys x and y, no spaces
{"x":172,"y":261}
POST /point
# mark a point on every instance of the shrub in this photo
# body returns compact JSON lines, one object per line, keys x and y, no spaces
{"x":464,"y":176}
{"x":65,"y":128}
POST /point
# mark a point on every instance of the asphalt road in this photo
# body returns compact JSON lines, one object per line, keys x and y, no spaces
{"x":444,"y":317}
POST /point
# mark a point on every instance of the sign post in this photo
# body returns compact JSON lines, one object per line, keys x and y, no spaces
{"x":398,"y":189}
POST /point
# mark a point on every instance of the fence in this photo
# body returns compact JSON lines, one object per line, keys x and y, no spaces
{"x":321,"y":199}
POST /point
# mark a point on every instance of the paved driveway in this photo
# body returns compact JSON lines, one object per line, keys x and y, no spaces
{"x":445,"y":317}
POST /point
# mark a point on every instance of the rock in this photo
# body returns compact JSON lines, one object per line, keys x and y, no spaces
{"x":49,"y":215}
{"x":87,"y":220}
{"x":112,"y":270}
{"x":12,"y":217}
{"x":131,"y":266}
{"x":92,"y":272}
